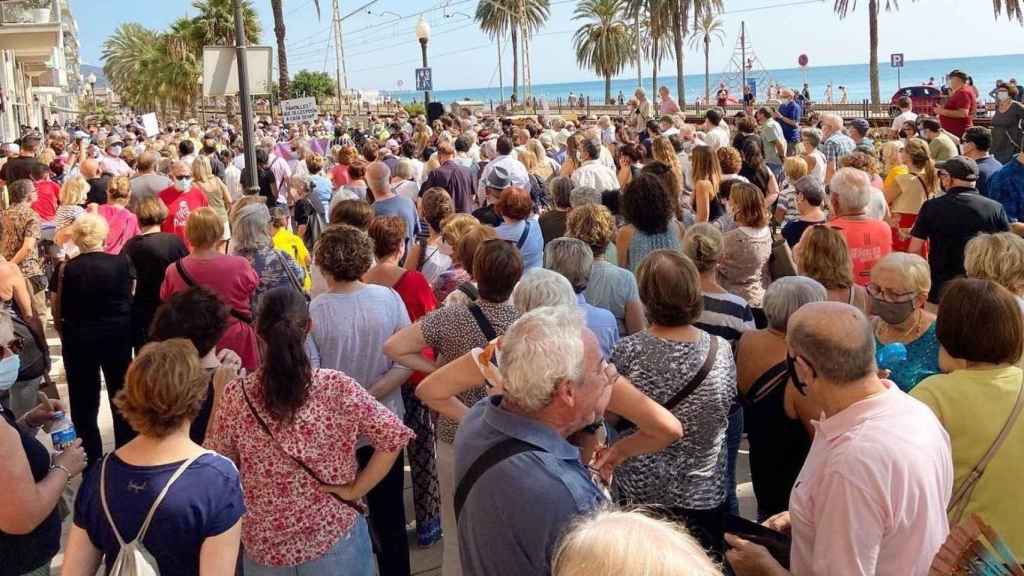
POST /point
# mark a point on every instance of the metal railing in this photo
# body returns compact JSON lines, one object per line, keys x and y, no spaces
{"x":29,"y":12}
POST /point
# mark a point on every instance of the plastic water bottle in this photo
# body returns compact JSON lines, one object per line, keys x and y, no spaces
{"x":62,"y":432}
{"x":891,"y":355}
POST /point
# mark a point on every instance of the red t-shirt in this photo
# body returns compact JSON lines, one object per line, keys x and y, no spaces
{"x":179,"y":206}
{"x":45,"y":205}
{"x":340,"y":176}
{"x":867,"y":241}
{"x":962,"y":99}
{"x":419,"y":300}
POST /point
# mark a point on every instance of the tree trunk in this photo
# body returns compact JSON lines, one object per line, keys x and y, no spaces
{"x":282,"y":53}
{"x":636,"y":32}
{"x":677,"y":39}
{"x":707,"y":70}
{"x":515,"y":62}
{"x":654,"y":70}
{"x":873,"y":62}
{"x":607,"y":89}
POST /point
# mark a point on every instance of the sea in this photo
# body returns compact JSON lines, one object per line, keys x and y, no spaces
{"x":985,"y":70}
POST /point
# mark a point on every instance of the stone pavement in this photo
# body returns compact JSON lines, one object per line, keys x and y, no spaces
{"x":425,"y":561}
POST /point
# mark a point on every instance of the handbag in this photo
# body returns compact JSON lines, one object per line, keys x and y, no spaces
{"x":291,"y":275}
{"x":359,"y":508}
{"x":962,"y":495}
{"x":780,"y":262}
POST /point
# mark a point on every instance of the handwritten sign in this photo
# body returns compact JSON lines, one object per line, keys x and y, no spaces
{"x":299,"y":110}
{"x":150,"y":125}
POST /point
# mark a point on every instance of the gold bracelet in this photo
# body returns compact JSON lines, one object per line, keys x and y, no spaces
{"x":63,"y":469}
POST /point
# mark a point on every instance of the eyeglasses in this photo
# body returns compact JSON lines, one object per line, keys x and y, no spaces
{"x":884,"y":294}
{"x":15,"y":346}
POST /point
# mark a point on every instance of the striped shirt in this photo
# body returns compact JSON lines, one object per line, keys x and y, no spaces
{"x":725,"y":315}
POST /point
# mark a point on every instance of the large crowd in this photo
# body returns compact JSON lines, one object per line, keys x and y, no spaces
{"x":564,"y":327}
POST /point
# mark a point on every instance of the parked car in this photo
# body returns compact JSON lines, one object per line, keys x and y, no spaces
{"x":924,"y":98}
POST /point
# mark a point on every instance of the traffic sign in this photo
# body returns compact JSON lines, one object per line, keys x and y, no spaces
{"x":896,"y":60}
{"x":424,"y":80}
{"x":803,"y":60}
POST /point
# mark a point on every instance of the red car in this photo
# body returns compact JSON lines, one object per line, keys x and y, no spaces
{"x":924,"y":98}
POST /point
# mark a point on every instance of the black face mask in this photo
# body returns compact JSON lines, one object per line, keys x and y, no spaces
{"x":800,"y":386}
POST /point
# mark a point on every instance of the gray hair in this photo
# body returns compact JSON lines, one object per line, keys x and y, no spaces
{"x":561,"y":191}
{"x":404,"y":170}
{"x":250,"y":228}
{"x":583,"y":195}
{"x":838,"y":341}
{"x":833,"y":120}
{"x":571,"y":258}
{"x":786,"y":295}
{"x":540,"y":351}
{"x":851,"y":190}
{"x":812,"y":134}
{"x":542,"y":287}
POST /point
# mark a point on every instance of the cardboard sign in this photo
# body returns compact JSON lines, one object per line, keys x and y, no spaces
{"x":299,"y":110}
{"x":150,"y":124}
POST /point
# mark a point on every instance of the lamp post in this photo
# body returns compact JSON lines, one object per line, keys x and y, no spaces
{"x":91,"y":80}
{"x":423,"y":35}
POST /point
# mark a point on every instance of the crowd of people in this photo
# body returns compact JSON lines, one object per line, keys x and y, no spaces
{"x":565,"y":328}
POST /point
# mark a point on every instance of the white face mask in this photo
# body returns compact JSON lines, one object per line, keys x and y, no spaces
{"x":1002,"y":96}
{"x":183,"y":185}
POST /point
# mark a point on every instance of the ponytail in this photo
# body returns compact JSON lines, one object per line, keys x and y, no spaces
{"x":286,"y":372}
{"x":931,"y":178}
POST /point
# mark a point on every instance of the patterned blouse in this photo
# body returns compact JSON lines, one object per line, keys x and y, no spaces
{"x":452,"y":331}
{"x":743,"y":270}
{"x":689,"y":473}
{"x":269,"y":265}
{"x":290,"y":520}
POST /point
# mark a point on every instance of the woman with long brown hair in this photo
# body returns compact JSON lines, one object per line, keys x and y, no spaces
{"x":572,"y":155}
{"x":910,"y":191}
{"x":707,"y":175}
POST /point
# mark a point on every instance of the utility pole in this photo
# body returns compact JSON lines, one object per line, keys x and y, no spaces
{"x":245,"y":102}
{"x":743,"y":64}
{"x":636,"y":24}
{"x":339,"y":54}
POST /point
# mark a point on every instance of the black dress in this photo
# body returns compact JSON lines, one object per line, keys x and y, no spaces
{"x":778,"y":444}
{"x":20,"y":554}
{"x":150,"y":254}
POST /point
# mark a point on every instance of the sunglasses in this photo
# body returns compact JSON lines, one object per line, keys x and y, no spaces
{"x":180,"y":178}
{"x":15,"y":346}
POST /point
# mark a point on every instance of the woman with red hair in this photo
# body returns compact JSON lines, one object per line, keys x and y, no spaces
{"x":519,"y":226}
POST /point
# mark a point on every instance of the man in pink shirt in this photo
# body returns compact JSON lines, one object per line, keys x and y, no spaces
{"x":182,"y":198}
{"x":871,"y":497}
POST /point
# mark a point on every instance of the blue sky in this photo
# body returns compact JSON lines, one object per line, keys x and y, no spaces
{"x":381,"y":49}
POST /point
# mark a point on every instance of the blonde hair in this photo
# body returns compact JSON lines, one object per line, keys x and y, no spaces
{"x":164,"y":388}
{"x":891,"y":154}
{"x":911,"y":267}
{"x":702,"y":243}
{"x":89,"y":232}
{"x":997,"y":257}
{"x":795,"y":168}
{"x":204,"y":228}
{"x":74,"y":191}
{"x":528,"y":159}
{"x":201,"y":169}
{"x":593,"y":224}
{"x":120,"y":188}
{"x":662,"y":151}
{"x":624,"y":543}
{"x":454,"y":228}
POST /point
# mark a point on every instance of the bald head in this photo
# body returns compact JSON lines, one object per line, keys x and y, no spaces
{"x":835,"y":339}
{"x":90,"y":168}
{"x":378,"y":175}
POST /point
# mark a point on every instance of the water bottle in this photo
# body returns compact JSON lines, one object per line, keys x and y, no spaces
{"x":62,"y":433}
{"x":891,"y":355}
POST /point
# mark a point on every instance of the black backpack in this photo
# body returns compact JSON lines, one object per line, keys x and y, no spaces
{"x":317,"y":223}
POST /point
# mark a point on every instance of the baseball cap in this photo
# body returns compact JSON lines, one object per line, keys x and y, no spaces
{"x":499,"y":178}
{"x":958,"y":74}
{"x":861,"y":125}
{"x":960,"y":167}
{"x":115,"y":139}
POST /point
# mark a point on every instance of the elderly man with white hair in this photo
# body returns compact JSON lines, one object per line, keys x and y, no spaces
{"x":519,"y":482}
{"x":868,"y":239}
{"x":644,"y":110}
{"x":592,"y":172}
{"x":834,"y":143}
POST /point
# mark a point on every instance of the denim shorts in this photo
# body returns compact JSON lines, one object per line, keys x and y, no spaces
{"x":352,"y":555}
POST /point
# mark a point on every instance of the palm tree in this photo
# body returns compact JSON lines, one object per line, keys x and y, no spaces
{"x":277,"y":7}
{"x":127,"y":54}
{"x":656,"y":18}
{"x":515,"y":17}
{"x":605,"y":42}
{"x":707,"y":28}
{"x":681,"y":11}
{"x":1014,"y":9}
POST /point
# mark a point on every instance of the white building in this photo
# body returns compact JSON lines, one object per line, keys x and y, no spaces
{"x":40,"y":79}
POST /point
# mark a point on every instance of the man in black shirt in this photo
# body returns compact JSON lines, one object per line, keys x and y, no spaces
{"x":20,"y":167}
{"x":97,"y":182}
{"x":948,"y":222}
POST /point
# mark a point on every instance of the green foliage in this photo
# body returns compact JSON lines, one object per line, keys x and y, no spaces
{"x":604,"y":43}
{"x":317,"y":84}
{"x":415,"y":108}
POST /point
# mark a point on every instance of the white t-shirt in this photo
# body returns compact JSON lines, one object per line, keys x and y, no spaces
{"x":903,"y":118}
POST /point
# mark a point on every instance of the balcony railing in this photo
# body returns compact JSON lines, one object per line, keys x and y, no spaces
{"x":28,"y":12}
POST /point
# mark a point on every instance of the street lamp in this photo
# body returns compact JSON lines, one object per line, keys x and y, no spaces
{"x":91,"y":80}
{"x":423,"y":35}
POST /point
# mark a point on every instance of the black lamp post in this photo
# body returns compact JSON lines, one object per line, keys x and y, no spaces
{"x":423,"y":35}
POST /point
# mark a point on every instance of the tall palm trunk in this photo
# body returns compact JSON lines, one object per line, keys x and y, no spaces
{"x":677,"y":39}
{"x":636,"y":31}
{"x":654,"y":71}
{"x":707,"y":70}
{"x":282,"y":53}
{"x":873,"y":62}
{"x":607,"y":89}
{"x":515,"y":62}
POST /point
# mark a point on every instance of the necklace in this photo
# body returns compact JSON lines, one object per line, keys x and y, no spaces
{"x":900,"y":337}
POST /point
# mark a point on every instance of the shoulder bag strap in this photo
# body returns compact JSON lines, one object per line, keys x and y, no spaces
{"x":493,"y":456}
{"x":291,"y":274}
{"x":699,"y":377}
{"x":482,"y":322}
{"x":765,"y":384}
{"x":469,"y":290}
{"x":266,"y":429}
{"x":185,"y":276}
{"x":962,"y":496}
{"x":524,"y":235}
{"x":103,"y":501}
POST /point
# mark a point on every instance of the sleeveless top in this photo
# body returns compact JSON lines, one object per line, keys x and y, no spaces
{"x":643,"y":244}
{"x":778,"y":444}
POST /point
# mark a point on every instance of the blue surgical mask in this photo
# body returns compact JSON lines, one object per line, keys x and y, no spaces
{"x":9,"y":368}
{"x":183,"y":185}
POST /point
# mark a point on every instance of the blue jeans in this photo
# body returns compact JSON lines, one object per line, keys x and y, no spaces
{"x":733,"y":437}
{"x":350,"y":556}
